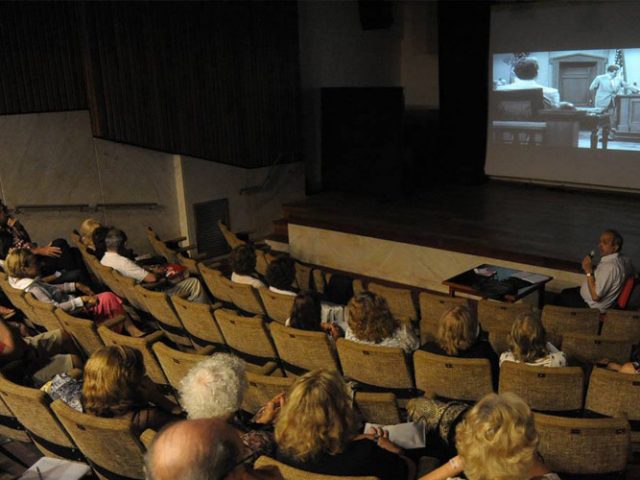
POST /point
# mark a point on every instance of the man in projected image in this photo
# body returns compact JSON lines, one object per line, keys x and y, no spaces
{"x":526,"y":71}
{"x":606,"y":87}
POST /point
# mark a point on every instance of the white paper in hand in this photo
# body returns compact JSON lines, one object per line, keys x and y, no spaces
{"x":406,"y":435}
{"x":55,"y":469}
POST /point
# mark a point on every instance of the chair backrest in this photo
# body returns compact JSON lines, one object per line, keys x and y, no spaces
{"x":246,"y":298}
{"x":188,"y":263}
{"x":43,"y":313}
{"x":622,"y":324}
{"x":375,"y":366}
{"x":160,"y":247}
{"x":277,"y":305}
{"x":31,"y":408}
{"x":198,"y":321}
{"x":217,"y":283}
{"x":303,"y":276}
{"x":545,"y":389}
{"x":174,"y":363}
{"x":499,"y":340}
{"x":432,"y":306}
{"x":301,"y":350}
{"x":560,"y":320}
{"x":454,"y":378}
{"x":10,"y":427}
{"x":160,"y":307}
{"x":231,"y":238}
{"x":108,"y":443}
{"x":400,"y":300}
{"x":107,"y":278}
{"x":320,"y":279}
{"x":494,"y":315}
{"x":358,"y":286}
{"x":378,"y":407}
{"x":583,"y":445}
{"x":143,"y":345}
{"x":291,"y":473}
{"x":614,"y":394}
{"x":83,"y":331}
{"x":128,"y":289}
{"x":247,"y":336}
{"x":16,"y":297}
{"x":261,"y":389}
{"x":262,"y":262}
{"x":588,"y":349}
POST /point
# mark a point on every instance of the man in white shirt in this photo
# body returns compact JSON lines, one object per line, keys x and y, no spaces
{"x":603,"y":283}
{"x":526,"y":71}
{"x":189,"y":288}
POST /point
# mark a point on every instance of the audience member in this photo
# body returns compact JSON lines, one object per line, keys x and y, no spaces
{"x":203,"y":449}
{"x":497,"y":440}
{"x":306,"y":314}
{"x":632,"y":366}
{"x":215,"y":387}
{"x":528,"y":344}
{"x":316,"y":431}
{"x":87,"y":228}
{"x":243,"y":265}
{"x":603,"y":283}
{"x":115,"y":257}
{"x":99,"y":238}
{"x":526,"y":71}
{"x":55,"y":258}
{"x":370,"y":321}
{"x":458,"y":337}
{"x":35,"y":360}
{"x":281,"y":274}
{"x":23,"y":270}
{"x":115,"y":386}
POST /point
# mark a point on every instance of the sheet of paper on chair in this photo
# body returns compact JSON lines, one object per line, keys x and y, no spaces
{"x":55,"y":469}
{"x":530,"y":277}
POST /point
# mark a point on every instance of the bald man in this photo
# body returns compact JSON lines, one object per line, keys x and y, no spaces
{"x":203,"y":449}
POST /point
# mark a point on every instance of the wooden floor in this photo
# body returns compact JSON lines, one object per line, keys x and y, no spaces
{"x":549,"y":227}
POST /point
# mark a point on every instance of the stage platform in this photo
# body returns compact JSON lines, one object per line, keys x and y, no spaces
{"x":424,"y":240}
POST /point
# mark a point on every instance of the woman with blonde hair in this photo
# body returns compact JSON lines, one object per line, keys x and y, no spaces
{"x":87,"y":227}
{"x":458,"y":337}
{"x":115,"y":386}
{"x":529,"y":344}
{"x":370,"y":321}
{"x":317,"y":431}
{"x":496,"y":440}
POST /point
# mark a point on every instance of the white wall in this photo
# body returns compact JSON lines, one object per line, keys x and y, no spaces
{"x":52,"y":159}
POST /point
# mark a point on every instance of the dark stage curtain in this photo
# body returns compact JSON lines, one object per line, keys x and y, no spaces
{"x":40,"y":68}
{"x":463,"y":78}
{"x":216,"y":80}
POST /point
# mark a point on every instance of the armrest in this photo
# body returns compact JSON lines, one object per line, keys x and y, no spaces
{"x":174,"y":240}
{"x":112,"y":322}
{"x":147,"y":437}
{"x":152,"y":337}
{"x":186,"y":249}
{"x":208,"y":350}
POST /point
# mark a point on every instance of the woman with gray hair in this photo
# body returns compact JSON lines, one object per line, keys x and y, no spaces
{"x":215,"y":387}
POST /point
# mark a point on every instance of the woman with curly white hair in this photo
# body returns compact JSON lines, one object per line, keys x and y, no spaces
{"x":496,"y":440}
{"x":215,"y":387}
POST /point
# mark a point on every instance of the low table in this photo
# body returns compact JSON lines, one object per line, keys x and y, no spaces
{"x":482,"y":286}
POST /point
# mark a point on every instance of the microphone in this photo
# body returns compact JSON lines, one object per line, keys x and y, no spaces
{"x":592,"y":253}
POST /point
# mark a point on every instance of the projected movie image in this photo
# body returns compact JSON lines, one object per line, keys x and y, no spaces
{"x":580,"y":98}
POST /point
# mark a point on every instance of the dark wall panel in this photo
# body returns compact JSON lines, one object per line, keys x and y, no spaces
{"x":40,"y":65}
{"x":216,"y":80}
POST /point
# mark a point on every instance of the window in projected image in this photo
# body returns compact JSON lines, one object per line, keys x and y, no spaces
{"x":579,"y":98}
